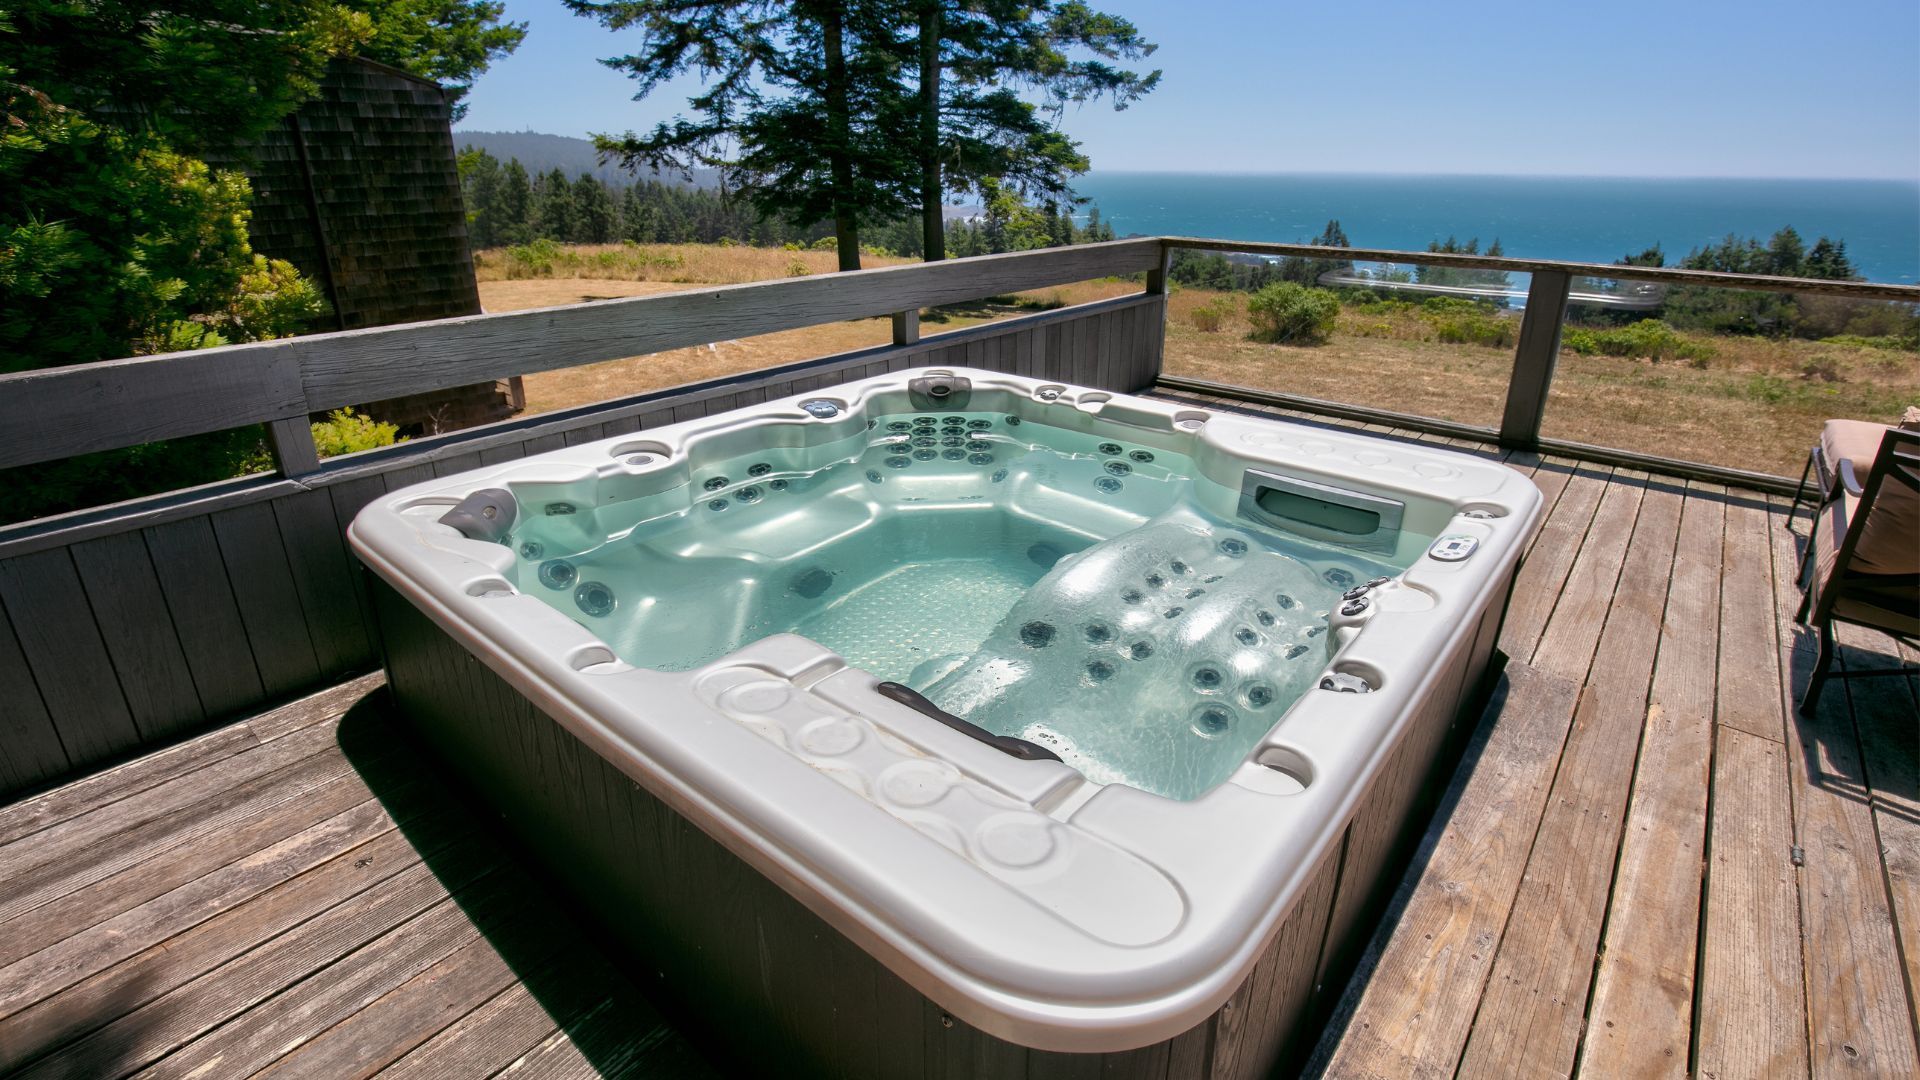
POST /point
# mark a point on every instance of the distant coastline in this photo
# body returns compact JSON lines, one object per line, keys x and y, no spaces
{"x":1585,"y":219}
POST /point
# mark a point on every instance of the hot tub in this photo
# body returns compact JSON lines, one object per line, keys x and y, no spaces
{"x":952,"y":716}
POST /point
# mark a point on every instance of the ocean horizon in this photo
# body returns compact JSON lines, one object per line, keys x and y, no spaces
{"x":1578,"y":218}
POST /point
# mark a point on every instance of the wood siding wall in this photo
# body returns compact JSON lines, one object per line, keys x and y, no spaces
{"x":359,"y":190}
{"x":132,"y":628}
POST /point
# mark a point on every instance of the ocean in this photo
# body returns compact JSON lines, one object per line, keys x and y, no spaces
{"x":1584,"y":219}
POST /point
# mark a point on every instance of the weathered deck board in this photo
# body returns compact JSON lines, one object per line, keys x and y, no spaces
{"x":338,"y":915}
{"x":1618,"y":845}
{"x":1641,"y":1013}
{"x":1649,"y":918}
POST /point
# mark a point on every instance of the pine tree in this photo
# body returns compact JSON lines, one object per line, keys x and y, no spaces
{"x":1828,"y":259}
{"x":593,"y":211}
{"x":480,"y":187}
{"x":972,"y":123}
{"x":800,"y":110}
{"x":513,"y":204}
{"x":553,"y":210}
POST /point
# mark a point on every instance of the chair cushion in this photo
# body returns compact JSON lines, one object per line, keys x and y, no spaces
{"x":1890,"y":540}
{"x":1849,"y":440}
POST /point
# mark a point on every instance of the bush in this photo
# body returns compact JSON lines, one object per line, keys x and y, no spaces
{"x":1463,"y":322}
{"x":1293,"y":313}
{"x":1889,"y":342}
{"x":346,"y":432}
{"x":1648,"y":339}
{"x":1209,"y":317}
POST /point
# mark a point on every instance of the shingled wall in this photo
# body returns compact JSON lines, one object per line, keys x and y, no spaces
{"x":359,"y":190}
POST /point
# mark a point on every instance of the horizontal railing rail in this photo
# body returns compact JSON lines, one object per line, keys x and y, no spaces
{"x":62,"y":412}
{"x":1859,"y":290}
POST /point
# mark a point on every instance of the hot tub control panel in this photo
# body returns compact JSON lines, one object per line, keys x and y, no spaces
{"x":1453,"y":548}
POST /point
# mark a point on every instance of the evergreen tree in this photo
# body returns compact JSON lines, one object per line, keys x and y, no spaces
{"x":593,"y":212}
{"x":513,"y":205}
{"x":480,"y":187}
{"x":1828,"y":260}
{"x":800,"y":109}
{"x":972,"y":124}
{"x":449,"y":41}
{"x":553,"y":209}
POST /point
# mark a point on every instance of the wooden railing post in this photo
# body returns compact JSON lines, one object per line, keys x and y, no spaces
{"x":1157,"y":283}
{"x":293,"y":446}
{"x":1534,"y":359}
{"x":906,"y":327}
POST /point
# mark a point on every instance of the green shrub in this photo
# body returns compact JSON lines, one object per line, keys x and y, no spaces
{"x":347,"y":432}
{"x":1289,"y":312}
{"x":532,"y":259}
{"x":1209,"y":317}
{"x":1889,"y":342}
{"x":1648,"y":339}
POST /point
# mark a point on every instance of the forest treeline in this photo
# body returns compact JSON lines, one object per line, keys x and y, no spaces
{"x":506,"y":206}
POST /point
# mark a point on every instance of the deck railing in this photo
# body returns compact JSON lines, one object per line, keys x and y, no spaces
{"x":129,"y":626}
{"x":1537,"y":354}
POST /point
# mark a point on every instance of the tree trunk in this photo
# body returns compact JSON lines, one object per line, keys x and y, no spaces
{"x":846,"y":222}
{"x":933,"y":226}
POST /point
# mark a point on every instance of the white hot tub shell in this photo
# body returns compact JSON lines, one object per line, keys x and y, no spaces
{"x":832,"y":876}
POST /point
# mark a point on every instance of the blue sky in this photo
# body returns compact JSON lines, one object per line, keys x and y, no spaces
{"x":1624,"y":88}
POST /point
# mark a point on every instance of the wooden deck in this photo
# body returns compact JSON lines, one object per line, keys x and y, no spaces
{"x":1646,"y":864}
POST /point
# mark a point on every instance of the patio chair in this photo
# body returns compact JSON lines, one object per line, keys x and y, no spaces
{"x":1865,"y":555}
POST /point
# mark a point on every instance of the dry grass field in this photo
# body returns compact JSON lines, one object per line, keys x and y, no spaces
{"x":1754,"y":403}
{"x":645,"y":270}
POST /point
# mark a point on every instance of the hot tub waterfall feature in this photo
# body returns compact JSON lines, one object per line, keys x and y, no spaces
{"x":1010,"y":725}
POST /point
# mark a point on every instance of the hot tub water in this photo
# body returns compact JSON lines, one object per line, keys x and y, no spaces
{"x":1056,"y":586}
